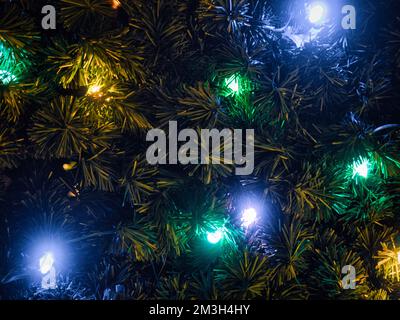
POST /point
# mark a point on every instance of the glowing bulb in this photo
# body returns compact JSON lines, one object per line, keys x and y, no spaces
{"x":215,"y":237}
{"x":361,"y":168}
{"x":233,"y":83}
{"x":115,"y":4}
{"x":46,"y":263}
{"x":95,"y":91}
{"x":249,"y":216}
{"x":69,"y":166}
{"x":398,"y":256}
{"x":316,"y":13}
{"x":6,"y":77}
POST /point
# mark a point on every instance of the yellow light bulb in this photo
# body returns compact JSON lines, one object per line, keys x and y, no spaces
{"x":69,"y":166}
{"x":95,"y":91}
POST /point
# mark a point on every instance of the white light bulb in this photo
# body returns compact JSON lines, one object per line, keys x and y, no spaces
{"x":46,"y":263}
{"x":316,"y":13}
{"x":249,"y":217}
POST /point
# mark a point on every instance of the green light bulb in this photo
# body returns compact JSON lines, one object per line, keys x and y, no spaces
{"x":6,"y":77}
{"x":8,"y":65}
{"x":233,"y":83}
{"x":361,"y":168}
{"x":215,"y":236}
